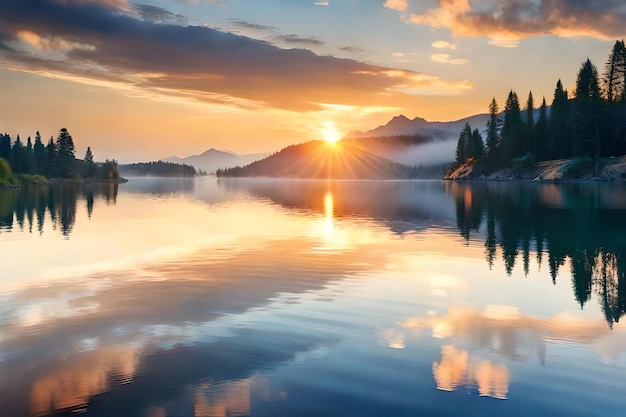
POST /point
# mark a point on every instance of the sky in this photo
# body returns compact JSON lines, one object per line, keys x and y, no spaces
{"x":140,"y":81}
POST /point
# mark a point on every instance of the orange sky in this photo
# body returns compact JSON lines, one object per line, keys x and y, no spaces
{"x":143,"y":82}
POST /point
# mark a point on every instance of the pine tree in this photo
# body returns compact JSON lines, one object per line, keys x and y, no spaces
{"x":559,"y":124}
{"x":5,"y":147}
{"x":476,"y":145}
{"x":541,"y":132}
{"x":39,"y":155}
{"x":493,"y":130}
{"x":51,"y":158}
{"x":29,"y":157}
{"x":511,"y":145}
{"x":529,"y":139}
{"x":588,"y":112}
{"x":66,"y":154}
{"x":462,"y":146}
{"x":18,"y":161}
{"x":614,"y":72}
{"x":90,"y":166}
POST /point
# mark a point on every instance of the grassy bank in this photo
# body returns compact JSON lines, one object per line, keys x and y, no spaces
{"x":21,"y":180}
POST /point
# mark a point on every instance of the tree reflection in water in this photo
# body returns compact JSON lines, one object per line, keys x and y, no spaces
{"x":580,"y":224}
{"x":27,"y":208}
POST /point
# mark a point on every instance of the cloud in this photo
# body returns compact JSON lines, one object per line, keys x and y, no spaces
{"x":159,"y":15}
{"x":321,"y":3}
{"x":508,"y":22}
{"x":147,"y":49}
{"x":444,"y":45}
{"x":446,"y":59}
{"x":399,"y":5}
{"x":255,"y":26}
{"x":352,"y":49}
{"x":295,"y":39}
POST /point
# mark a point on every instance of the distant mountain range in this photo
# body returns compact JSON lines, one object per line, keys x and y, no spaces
{"x":402,"y":125}
{"x":213,"y":159}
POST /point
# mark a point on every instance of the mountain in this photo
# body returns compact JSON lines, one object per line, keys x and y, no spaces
{"x":213,"y":159}
{"x":415,"y":142}
{"x":321,"y":160}
{"x":402,"y":125}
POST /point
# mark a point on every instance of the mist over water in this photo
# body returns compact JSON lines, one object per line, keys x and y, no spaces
{"x":431,"y":153}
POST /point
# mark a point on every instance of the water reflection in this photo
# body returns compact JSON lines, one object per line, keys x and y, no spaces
{"x":96,"y":335}
{"x":577,"y":224}
{"x":313,"y":298}
{"x":403,"y":206}
{"x":27,"y":208}
{"x":456,"y":368}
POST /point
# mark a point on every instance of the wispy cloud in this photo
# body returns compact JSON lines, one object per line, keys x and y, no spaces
{"x":295,"y":39}
{"x":399,"y":5}
{"x":321,"y":3}
{"x":444,"y":45}
{"x":159,"y":15}
{"x":255,"y":26}
{"x":446,"y":59}
{"x":508,"y":22}
{"x":148,"y":49}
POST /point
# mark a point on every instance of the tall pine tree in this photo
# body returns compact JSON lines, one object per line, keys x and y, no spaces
{"x":493,"y":131}
{"x":588,"y":113}
{"x":560,"y":128}
{"x":529,"y":142}
{"x":541,"y":132}
{"x":511,"y":145}
{"x":39,"y":155}
{"x":66,"y":154}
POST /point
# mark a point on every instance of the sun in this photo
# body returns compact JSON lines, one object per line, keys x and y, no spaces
{"x":330,"y":133}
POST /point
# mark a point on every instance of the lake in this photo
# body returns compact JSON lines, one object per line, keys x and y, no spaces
{"x":206,"y":297}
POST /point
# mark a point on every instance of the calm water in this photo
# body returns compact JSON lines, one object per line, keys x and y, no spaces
{"x":312,"y":298}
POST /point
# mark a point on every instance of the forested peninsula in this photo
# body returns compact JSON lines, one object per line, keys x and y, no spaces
{"x":34,"y":163}
{"x":579,"y":136}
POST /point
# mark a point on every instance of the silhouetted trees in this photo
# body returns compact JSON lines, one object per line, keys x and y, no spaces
{"x":89,"y":166}
{"x":470,"y":145}
{"x":55,"y":160}
{"x":590,"y":123}
{"x":158,"y":169}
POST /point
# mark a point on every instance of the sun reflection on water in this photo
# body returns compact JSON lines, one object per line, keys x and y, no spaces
{"x":329,"y":210}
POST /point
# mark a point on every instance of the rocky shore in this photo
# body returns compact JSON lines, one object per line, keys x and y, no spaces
{"x":573,"y":169}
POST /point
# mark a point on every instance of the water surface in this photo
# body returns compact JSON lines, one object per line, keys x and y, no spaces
{"x":205,"y":297}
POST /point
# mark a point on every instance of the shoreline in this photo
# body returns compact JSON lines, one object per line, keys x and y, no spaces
{"x":56,"y":181}
{"x":575,"y":170}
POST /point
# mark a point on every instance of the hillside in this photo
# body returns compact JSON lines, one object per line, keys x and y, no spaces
{"x":320,"y":160}
{"x":213,"y":159}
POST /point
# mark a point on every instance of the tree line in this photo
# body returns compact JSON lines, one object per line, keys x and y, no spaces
{"x":589,"y":123}
{"x":159,"y":169}
{"x":56,"y":159}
